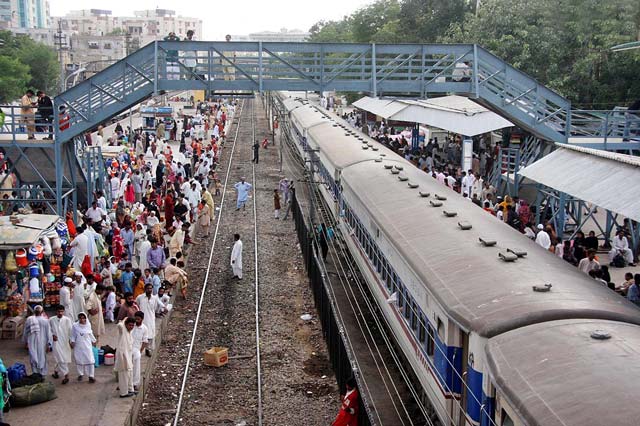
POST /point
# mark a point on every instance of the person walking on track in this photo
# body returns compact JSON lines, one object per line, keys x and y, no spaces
{"x":236,"y":257}
{"x":256,"y":152}
{"x":242,"y":188}
{"x":276,"y":204}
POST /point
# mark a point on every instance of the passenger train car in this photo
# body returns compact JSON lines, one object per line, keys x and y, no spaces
{"x":497,"y":330}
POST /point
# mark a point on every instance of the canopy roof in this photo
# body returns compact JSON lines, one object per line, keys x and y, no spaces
{"x":27,"y":232}
{"x":606,"y":179}
{"x":452,"y":113}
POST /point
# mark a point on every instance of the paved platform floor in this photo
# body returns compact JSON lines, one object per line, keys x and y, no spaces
{"x":79,"y":403}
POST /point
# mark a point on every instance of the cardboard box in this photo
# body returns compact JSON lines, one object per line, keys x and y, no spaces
{"x":12,"y":323}
{"x":12,"y":327}
{"x":216,"y":356}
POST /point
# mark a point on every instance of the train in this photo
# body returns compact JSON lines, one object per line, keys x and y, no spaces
{"x":497,"y":330}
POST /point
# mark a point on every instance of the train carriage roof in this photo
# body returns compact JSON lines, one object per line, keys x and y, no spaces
{"x":556,"y":374}
{"x":479,"y":291}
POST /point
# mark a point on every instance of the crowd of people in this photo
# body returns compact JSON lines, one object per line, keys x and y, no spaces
{"x":126,"y":252}
{"x":440,"y":161}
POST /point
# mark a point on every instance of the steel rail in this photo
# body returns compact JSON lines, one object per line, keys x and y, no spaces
{"x":257,"y":288}
{"x":206,"y":277}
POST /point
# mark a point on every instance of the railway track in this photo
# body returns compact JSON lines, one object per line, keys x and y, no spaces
{"x":276,"y":360}
{"x":207,"y":331}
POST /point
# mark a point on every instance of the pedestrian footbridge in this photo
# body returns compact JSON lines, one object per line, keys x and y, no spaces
{"x":411,"y":70}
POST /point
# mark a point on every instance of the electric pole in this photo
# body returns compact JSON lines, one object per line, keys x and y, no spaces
{"x":61,"y":44}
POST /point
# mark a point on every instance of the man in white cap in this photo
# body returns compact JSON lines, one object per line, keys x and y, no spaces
{"x":66,"y":299}
{"x":543,"y":239}
{"x":78,"y":293}
{"x":61,"y":334}
{"x":38,"y":339}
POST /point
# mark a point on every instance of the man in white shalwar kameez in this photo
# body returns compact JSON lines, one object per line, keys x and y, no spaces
{"x":144,"y":247}
{"x":66,"y":299}
{"x":38,"y":339}
{"x":150,"y":305}
{"x":78,"y":293}
{"x":236,"y":257}
{"x":82,"y":341}
{"x":124,"y":360}
{"x":80,"y":245}
{"x":61,"y":335}
{"x":140,"y":335}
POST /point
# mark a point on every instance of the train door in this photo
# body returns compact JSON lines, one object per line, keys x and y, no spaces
{"x":464,"y":392}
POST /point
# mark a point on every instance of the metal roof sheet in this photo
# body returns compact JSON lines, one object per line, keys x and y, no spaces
{"x":555,"y":374}
{"x":608,"y":180}
{"x":453,"y":113}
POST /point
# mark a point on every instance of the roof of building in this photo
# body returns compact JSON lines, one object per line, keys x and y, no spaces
{"x":453,"y":113}
{"x":556,"y":374}
{"x":590,"y":175}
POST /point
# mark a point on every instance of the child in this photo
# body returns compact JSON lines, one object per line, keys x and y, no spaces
{"x":276,"y":204}
{"x":218,"y":187}
{"x":127,"y":278}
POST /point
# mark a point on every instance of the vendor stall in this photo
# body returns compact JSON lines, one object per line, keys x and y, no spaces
{"x":31,"y":252}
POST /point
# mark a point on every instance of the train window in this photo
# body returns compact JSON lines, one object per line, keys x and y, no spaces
{"x":441,"y":330}
{"x":506,"y":420}
{"x":379,"y":263}
{"x":401,"y":300}
{"x":430,"y":342}
{"x":414,"y":316}
{"x":407,"y":308}
{"x":421,"y":330}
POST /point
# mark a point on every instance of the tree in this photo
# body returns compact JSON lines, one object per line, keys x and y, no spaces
{"x":564,"y":45}
{"x":331,"y":32}
{"x":40,"y":59}
{"x":15,"y":76}
{"x":423,"y":21}
{"x":368,"y":21}
{"x":43,"y":66}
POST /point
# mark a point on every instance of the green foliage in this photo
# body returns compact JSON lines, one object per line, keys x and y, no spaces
{"x":423,"y":21}
{"x":14,"y":77}
{"x":40,"y":61}
{"x":565,"y":44}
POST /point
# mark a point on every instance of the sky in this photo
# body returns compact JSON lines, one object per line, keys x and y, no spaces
{"x":232,"y":16}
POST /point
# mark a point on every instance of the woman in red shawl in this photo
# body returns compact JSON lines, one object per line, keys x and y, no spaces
{"x":117,"y":245}
{"x":169,"y":203}
{"x":129,"y":194}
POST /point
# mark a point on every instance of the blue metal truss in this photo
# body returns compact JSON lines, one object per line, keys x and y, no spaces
{"x":410,"y":70}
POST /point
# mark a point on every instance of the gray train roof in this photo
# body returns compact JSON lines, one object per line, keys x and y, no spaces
{"x":555,"y":374}
{"x":343,"y":149}
{"x":340,"y":143}
{"x":479,"y":291}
